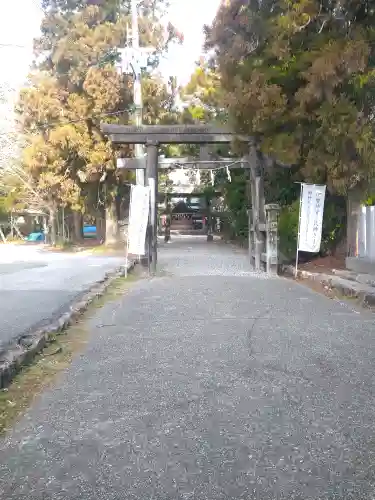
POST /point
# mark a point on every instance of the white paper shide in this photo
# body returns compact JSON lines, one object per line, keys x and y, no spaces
{"x":311,"y":217}
{"x":138,"y":219}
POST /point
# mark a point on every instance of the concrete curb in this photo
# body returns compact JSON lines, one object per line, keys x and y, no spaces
{"x":363,"y":292}
{"x":25,"y":348}
{"x":289,"y":270}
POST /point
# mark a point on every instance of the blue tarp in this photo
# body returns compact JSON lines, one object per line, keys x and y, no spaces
{"x":35,"y":237}
{"x":89,"y":231}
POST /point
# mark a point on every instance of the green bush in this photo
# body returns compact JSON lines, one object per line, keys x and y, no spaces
{"x":3,"y":208}
{"x":334,"y":224}
{"x":236,"y":201}
{"x":288,"y":231}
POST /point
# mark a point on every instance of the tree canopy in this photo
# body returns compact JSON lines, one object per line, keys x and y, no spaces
{"x":299,"y":76}
{"x":73,"y":88}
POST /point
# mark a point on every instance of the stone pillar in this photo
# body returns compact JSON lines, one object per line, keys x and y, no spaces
{"x":258,"y":207}
{"x":272,"y":254}
{"x":353,"y":204}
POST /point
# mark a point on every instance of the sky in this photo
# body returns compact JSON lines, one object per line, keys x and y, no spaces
{"x":19,"y":25}
{"x":189,"y":16}
{"x":20,"y":20}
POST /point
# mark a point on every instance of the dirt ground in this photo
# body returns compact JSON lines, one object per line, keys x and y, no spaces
{"x":323,"y":264}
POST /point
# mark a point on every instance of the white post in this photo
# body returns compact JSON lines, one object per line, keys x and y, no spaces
{"x":296,"y":270}
{"x":127,"y":237}
{"x":298,"y":236}
{"x":2,"y":235}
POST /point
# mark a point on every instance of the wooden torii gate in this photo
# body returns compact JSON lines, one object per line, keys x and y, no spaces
{"x":262,"y":217}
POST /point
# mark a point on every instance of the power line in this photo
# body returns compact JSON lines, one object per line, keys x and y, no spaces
{"x":98,"y":64}
{"x":108,"y":58}
{"x":78,"y":120}
{"x":104,"y":60}
{"x":14,"y":46}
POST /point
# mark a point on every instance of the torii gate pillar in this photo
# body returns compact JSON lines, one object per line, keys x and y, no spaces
{"x":152,"y":148}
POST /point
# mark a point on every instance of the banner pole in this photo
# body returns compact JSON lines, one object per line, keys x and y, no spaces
{"x":127,"y":236}
{"x":296,"y":270}
{"x":126,"y":265}
{"x":299,"y":231}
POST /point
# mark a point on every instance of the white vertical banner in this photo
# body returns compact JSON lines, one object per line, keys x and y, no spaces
{"x":311,"y":217}
{"x":138,"y":219}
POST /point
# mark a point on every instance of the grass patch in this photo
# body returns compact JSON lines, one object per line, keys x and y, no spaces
{"x":42,"y":372}
{"x":13,"y":241}
{"x":108,"y":249}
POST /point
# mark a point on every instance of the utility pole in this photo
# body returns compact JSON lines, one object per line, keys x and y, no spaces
{"x":137,"y":89}
{"x":133,"y":59}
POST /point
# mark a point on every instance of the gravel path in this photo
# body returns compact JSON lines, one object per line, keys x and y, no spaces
{"x":36,"y":285}
{"x":206,"y":383}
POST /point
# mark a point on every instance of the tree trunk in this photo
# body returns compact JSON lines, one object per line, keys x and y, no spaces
{"x":112,"y":233}
{"x":353,"y":204}
{"x":53,"y":227}
{"x":100,"y":228}
{"x":77,"y":227}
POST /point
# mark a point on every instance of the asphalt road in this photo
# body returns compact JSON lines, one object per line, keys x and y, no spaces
{"x":206,"y":383}
{"x":36,"y":285}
